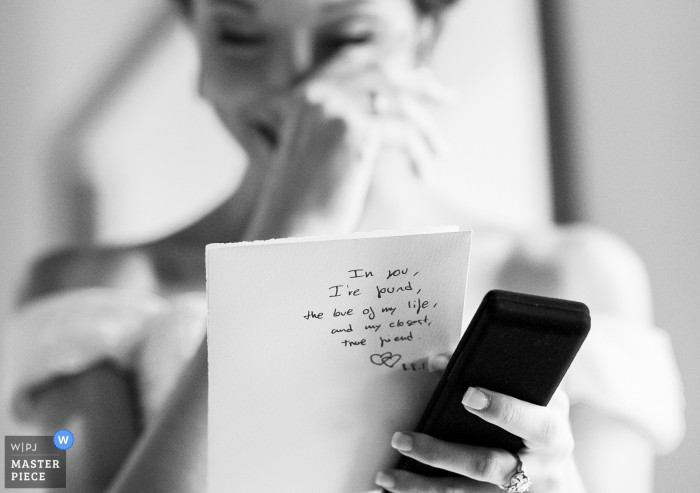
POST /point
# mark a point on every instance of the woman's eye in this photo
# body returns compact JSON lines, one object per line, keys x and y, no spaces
{"x":240,"y":39}
{"x":348,"y":40}
{"x":329,"y":47}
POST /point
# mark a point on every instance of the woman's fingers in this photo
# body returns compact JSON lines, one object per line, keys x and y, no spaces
{"x":408,"y":126}
{"x":547,"y":452}
{"x":394,"y":104}
{"x":483,"y":464}
{"x":539,"y":427}
{"x":438,"y":362}
{"x":369,"y":83}
{"x":405,"y":482}
{"x":359,"y":74}
{"x":431,"y":136}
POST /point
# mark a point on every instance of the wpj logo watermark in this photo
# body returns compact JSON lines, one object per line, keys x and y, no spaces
{"x":37,"y":461}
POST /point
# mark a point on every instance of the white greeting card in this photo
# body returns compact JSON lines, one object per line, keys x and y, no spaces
{"x":317,"y":353}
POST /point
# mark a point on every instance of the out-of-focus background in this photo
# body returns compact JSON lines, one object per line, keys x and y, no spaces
{"x":103,"y":138}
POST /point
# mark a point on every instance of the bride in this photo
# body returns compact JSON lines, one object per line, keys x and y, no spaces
{"x":330,"y":98}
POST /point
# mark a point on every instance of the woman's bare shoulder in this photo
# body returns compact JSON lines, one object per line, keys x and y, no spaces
{"x":583,"y":263}
{"x":82,"y":267}
{"x":602,"y":269}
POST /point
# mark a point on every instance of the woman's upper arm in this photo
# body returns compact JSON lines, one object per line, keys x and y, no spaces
{"x":171,"y":456}
{"x":92,"y":396}
{"x":611,"y":455}
{"x":617,"y":429}
{"x":99,"y":408}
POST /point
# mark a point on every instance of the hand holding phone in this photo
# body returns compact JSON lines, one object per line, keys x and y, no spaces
{"x":517,"y":344}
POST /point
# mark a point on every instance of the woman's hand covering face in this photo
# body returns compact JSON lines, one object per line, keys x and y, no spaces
{"x":317,"y":91}
{"x":338,"y":125}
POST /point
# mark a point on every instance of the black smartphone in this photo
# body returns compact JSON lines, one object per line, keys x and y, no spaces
{"x":517,"y":344}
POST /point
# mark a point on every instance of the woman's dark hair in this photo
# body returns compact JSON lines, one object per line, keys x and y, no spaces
{"x":433,"y":8}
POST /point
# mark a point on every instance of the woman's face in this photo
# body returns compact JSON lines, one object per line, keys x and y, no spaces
{"x":255,"y":52}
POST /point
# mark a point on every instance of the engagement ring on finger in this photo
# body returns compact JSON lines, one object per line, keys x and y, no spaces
{"x":519,"y":481}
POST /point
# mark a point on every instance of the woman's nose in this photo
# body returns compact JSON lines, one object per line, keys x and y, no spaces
{"x":293,"y":60}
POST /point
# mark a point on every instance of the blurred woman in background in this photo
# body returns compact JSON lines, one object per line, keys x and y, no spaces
{"x":330,"y":99}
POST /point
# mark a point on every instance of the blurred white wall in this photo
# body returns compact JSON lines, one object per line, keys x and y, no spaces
{"x":635,"y":70}
{"x":490,"y":52}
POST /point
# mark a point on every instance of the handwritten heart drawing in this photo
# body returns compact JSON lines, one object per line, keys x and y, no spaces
{"x":386,"y":359}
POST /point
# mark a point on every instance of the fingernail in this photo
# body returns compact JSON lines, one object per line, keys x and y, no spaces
{"x":438,"y":363}
{"x":475,"y":399}
{"x":402,"y":442}
{"x":385,"y":480}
